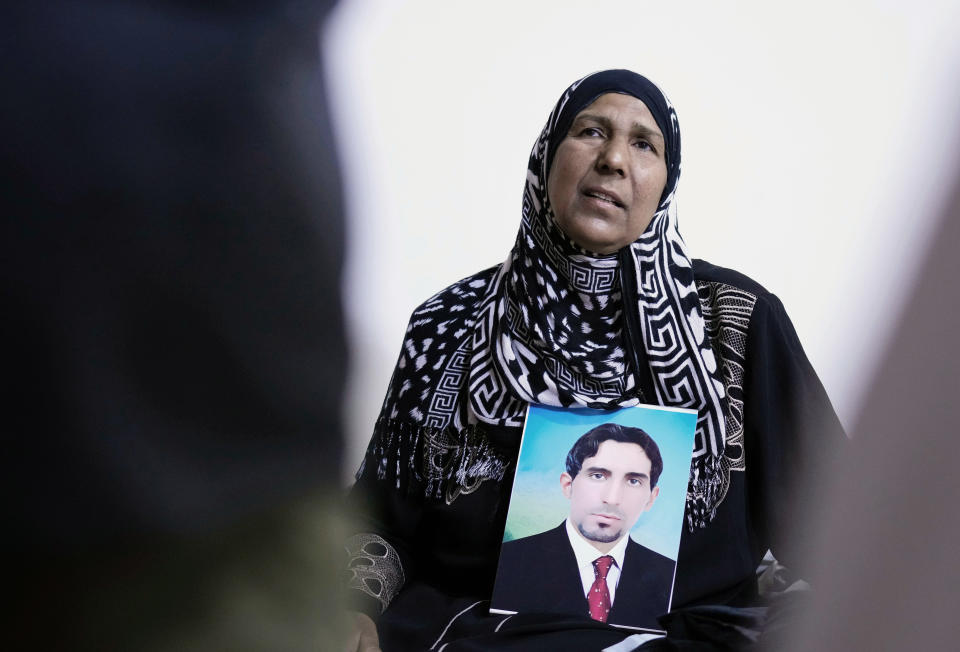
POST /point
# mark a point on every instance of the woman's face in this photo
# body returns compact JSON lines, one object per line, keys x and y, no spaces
{"x":608,"y":174}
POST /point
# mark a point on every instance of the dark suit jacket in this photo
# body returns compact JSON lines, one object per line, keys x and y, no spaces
{"x":539,"y":574}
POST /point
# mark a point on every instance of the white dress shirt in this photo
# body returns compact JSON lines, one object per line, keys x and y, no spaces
{"x":586,"y":554}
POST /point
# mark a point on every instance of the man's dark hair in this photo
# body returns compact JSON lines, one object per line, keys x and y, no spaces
{"x":589,"y":443}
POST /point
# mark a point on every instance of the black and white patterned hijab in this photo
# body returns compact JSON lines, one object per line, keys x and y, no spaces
{"x":552,"y":329}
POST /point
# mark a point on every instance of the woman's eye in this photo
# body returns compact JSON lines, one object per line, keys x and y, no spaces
{"x":590,"y":131}
{"x":644,"y":145}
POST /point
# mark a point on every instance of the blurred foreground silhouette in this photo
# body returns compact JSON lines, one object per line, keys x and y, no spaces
{"x":886,"y":518}
{"x":174,"y":348}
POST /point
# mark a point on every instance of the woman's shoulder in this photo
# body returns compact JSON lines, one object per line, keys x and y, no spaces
{"x":440,"y":326}
{"x":731,"y":299}
{"x":708,"y":273}
{"x":432,"y":353}
{"x":457,"y":299}
{"x":733,"y":302}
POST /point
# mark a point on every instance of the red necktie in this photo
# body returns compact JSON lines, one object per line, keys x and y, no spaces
{"x":599,"y":595}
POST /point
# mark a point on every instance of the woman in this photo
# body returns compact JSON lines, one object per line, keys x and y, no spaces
{"x":597,"y":305}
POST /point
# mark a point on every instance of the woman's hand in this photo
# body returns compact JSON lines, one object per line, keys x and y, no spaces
{"x":363,"y":634}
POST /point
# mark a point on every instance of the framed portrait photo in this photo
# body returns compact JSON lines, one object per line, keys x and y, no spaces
{"x":596,"y":513}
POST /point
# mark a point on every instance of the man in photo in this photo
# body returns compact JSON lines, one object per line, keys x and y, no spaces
{"x":589,"y":564}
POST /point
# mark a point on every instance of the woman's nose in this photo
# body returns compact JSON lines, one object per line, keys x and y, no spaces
{"x":612,"y":157}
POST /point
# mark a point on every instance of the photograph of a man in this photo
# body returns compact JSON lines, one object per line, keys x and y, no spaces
{"x":589,"y":565}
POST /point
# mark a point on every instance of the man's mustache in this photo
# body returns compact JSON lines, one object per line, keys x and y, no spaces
{"x":608,"y":511}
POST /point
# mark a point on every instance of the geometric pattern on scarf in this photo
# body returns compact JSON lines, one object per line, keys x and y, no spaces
{"x":428,"y":390}
{"x":551,"y":328}
{"x":726,"y":312}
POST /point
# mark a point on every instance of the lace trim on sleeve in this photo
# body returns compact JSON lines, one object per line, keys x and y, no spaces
{"x":374,"y":567}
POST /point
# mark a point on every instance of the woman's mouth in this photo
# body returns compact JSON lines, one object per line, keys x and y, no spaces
{"x":604,"y":196}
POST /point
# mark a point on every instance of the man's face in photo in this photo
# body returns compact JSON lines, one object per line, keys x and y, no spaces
{"x":609,"y":493}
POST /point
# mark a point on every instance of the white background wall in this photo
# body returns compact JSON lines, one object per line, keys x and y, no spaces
{"x":817,"y":143}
